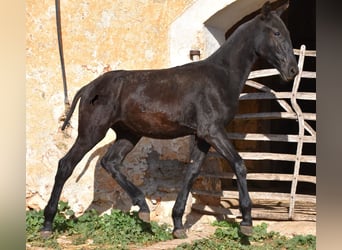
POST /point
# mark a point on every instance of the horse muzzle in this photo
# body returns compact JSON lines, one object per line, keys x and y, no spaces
{"x":290,"y":73}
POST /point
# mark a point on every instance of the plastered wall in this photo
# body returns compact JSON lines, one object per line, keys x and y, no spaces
{"x":97,"y":36}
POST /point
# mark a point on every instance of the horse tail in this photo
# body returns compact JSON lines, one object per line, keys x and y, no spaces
{"x":72,"y":108}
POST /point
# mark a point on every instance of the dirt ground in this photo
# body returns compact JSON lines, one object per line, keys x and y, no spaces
{"x":199,"y":226}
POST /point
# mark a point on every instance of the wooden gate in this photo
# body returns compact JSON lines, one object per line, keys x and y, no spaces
{"x":266,"y":204}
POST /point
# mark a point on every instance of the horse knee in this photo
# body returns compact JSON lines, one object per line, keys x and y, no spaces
{"x":193,"y":172}
{"x":240,"y":169}
{"x":64,"y":170}
{"x":110,"y":166}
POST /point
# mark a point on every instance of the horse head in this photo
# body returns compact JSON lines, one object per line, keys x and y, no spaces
{"x":273,"y":42}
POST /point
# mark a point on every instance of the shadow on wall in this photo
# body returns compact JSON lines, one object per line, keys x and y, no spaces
{"x":152,"y":166}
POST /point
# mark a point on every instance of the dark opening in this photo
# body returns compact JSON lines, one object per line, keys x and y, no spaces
{"x":300,"y":19}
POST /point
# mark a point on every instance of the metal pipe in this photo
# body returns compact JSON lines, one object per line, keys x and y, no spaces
{"x":61,"y":55}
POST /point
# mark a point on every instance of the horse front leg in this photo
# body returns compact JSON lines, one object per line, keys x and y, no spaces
{"x":198,"y":154}
{"x":219,"y":140}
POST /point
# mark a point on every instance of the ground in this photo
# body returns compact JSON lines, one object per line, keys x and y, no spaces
{"x":200,"y":226}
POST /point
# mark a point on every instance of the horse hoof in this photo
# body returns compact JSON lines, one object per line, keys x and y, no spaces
{"x":144,"y":216}
{"x":179,"y":234}
{"x":246,"y":230}
{"x":45,"y":234}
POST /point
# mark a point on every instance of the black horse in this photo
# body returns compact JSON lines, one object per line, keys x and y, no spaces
{"x":199,"y":99}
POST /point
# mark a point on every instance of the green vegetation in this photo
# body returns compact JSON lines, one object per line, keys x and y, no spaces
{"x":119,"y":230}
{"x":116,"y":230}
{"x":227,"y":236}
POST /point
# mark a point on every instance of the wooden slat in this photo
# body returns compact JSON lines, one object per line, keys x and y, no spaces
{"x":308,"y":74}
{"x":274,"y":115}
{"x":257,"y":195}
{"x":277,"y":156}
{"x":270,"y":137}
{"x":259,"y":86}
{"x":271,"y":156}
{"x":309,"y":129}
{"x":266,"y":89}
{"x":282,"y":103}
{"x":268,"y":214}
{"x":263,"y":73}
{"x":262,"y":176}
{"x":278,"y":95}
{"x":274,"y":72}
{"x":306,"y":53}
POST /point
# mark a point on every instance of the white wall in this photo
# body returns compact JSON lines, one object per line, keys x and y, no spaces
{"x":203,"y":26}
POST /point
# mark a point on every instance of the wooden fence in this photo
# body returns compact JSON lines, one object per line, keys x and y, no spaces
{"x":281,"y":206}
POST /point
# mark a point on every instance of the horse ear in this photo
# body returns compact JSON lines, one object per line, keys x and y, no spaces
{"x":265,"y":10}
{"x":282,"y":8}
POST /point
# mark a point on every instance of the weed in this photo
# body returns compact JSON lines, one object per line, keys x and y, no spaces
{"x":227,"y":236}
{"x":120,"y":230}
{"x":117,"y":229}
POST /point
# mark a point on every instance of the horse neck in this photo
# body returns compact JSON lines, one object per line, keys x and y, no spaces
{"x":237,"y":54}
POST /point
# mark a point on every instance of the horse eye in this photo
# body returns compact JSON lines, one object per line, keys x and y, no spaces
{"x":276,"y":33}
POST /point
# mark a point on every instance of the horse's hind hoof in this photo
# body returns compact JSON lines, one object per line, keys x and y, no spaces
{"x":179,"y":234}
{"x":246,"y":230}
{"x":45,"y":234}
{"x":144,"y":216}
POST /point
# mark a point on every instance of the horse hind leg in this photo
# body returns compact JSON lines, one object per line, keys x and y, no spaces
{"x":112,"y":161}
{"x":197,"y":156}
{"x":66,"y":166}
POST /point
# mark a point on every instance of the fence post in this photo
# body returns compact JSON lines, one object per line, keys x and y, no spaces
{"x":300,"y":118}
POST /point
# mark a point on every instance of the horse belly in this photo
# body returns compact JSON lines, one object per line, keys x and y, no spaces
{"x":156,"y":125}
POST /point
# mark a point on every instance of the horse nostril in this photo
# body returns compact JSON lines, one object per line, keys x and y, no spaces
{"x":294,"y":71}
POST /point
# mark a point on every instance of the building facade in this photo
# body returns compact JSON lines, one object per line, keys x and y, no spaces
{"x":99,"y":36}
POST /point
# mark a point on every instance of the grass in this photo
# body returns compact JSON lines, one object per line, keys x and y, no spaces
{"x":120,"y":230}
{"x":116,"y":230}
{"x":227,"y":236}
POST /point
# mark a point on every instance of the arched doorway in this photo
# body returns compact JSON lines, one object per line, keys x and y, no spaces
{"x":207,"y":36}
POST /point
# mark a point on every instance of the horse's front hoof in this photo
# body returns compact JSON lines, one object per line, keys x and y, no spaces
{"x":45,"y":233}
{"x":246,"y":230}
{"x":144,"y":216}
{"x":179,"y":234}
